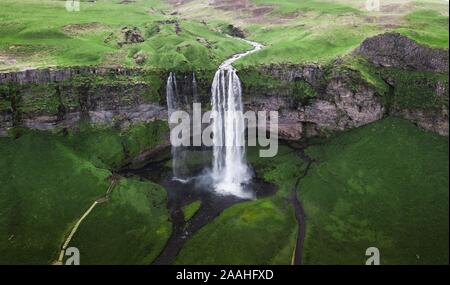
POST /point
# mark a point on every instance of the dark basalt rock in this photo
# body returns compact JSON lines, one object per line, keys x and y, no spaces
{"x":131,"y":36}
{"x":235,"y":31}
{"x":396,"y":50}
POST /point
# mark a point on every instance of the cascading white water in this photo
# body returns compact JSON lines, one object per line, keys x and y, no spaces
{"x":230,"y":170}
{"x":171,"y":91}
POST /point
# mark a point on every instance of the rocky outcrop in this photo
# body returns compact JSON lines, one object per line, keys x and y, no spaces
{"x":345,"y":100}
{"x":396,"y":50}
{"x":235,"y":31}
{"x":435,"y":120}
{"x":47,"y":75}
{"x":131,"y":36}
{"x":341,"y":106}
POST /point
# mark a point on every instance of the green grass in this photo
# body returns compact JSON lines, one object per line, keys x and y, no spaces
{"x":295,"y":6}
{"x":190,"y":210}
{"x":48,"y":181}
{"x":326,"y":30}
{"x":131,"y":228}
{"x":42,"y":33}
{"x":44,"y":188}
{"x":383,"y":185}
{"x":101,"y":146}
{"x":38,"y":34}
{"x":248,"y":233}
{"x":256,"y":232}
{"x":427,"y":27}
{"x":301,"y":45}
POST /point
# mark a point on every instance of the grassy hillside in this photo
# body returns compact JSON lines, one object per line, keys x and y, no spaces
{"x":427,"y":27}
{"x":45,"y":188}
{"x":131,"y":228}
{"x":37,"y":33}
{"x":48,"y":181}
{"x":319,"y":31}
{"x":384,"y":185}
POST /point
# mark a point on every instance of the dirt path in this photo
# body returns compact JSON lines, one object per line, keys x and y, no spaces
{"x":78,"y":223}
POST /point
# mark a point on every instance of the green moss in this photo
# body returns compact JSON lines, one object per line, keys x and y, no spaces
{"x":108,"y":147}
{"x":102,"y":146}
{"x":255,"y":82}
{"x":249,"y":233}
{"x":416,"y":89}
{"x":142,"y":137}
{"x":410,"y":89}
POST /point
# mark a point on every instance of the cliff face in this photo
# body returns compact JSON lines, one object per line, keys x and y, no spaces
{"x":398,"y":51}
{"x":414,"y":80}
{"x":48,"y":99}
{"x":311,"y":99}
{"x":339,"y":101}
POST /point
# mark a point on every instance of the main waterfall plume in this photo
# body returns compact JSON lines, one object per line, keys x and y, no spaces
{"x":230,"y":170}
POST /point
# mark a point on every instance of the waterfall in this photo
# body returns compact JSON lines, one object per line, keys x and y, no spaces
{"x":178,"y":154}
{"x":171,"y":93}
{"x":230,"y":170}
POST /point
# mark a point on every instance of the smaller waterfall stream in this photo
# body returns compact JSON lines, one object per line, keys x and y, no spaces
{"x":178,"y":154}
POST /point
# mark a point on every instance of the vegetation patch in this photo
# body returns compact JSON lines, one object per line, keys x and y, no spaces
{"x":132,"y":227}
{"x":190,"y":210}
{"x":45,"y":188}
{"x":383,"y":185}
{"x":427,"y":27}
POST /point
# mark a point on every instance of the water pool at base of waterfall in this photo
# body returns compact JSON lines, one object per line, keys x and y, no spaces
{"x":195,"y":184}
